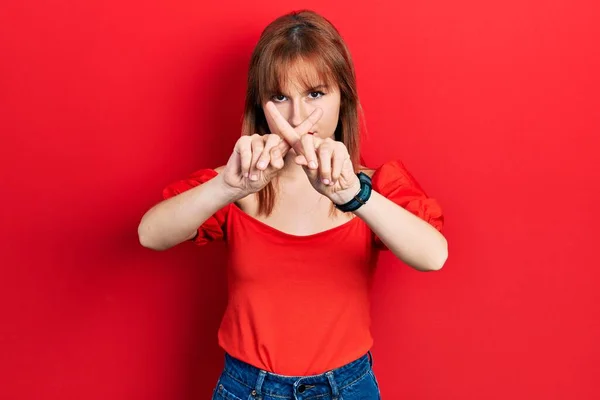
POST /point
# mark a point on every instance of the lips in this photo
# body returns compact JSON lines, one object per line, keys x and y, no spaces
{"x":310,"y":133}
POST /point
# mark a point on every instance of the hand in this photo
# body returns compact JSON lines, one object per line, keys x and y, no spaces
{"x":241,"y":173}
{"x":258,"y":158}
{"x":326,"y":161}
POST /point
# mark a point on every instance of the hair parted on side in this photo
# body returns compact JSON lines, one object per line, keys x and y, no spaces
{"x":307,"y":36}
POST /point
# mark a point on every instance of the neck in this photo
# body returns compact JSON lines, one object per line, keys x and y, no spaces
{"x":291,"y":171}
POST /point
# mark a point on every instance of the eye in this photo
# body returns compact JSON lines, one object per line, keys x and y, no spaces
{"x":319,"y":94}
{"x":278,"y":98}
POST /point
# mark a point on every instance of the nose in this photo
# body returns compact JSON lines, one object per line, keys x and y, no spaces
{"x":300,"y":111}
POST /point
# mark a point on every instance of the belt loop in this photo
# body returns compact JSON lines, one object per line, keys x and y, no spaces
{"x":258,"y":390}
{"x":370,"y":357}
{"x":334,"y":388}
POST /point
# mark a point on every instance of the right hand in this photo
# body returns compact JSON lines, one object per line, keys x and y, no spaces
{"x":257,"y":159}
{"x":241,"y":172}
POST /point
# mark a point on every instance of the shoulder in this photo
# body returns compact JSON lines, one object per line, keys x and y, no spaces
{"x":192,"y":180}
{"x":220,"y":169}
{"x":394,"y":181}
{"x":391,"y":175}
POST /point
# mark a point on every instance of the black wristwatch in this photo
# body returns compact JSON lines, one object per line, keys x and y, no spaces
{"x":361,"y":198}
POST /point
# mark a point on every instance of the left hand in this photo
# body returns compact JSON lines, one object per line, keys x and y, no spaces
{"x":326,"y":161}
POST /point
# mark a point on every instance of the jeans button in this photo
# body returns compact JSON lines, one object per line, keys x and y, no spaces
{"x":301,"y":388}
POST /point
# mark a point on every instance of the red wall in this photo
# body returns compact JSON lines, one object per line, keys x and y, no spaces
{"x":492,"y":105}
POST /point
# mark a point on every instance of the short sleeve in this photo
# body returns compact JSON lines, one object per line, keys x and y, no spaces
{"x":214,"y":227}
{"x":393,"y":181}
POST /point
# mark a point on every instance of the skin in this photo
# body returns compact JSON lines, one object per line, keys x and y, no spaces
{"x":301,"y":152}
{"x":305,"y":191}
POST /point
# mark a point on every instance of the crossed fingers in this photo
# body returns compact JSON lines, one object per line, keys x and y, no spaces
{"x":291,"y":136}
{"x":326,"y":155}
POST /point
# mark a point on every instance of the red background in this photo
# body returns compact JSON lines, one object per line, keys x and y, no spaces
{"x":493,"y":106}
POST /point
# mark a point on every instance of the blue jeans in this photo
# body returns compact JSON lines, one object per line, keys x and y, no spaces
{"x":242,"y":381}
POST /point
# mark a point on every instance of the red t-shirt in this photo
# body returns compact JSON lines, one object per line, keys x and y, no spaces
{"x":299,"y":305}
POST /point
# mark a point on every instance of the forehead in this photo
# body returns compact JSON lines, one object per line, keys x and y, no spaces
{"x":301,"y":75}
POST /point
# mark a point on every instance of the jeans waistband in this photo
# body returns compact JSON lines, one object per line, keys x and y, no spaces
{"x":268,"y":383}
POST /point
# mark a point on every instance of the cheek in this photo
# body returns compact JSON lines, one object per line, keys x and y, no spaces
{"x":334,"y":110}
{"x":333,"y":116}
{"x":331,"y":121}
{"x":328,"y":124}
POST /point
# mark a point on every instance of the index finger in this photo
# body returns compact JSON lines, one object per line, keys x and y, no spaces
{"x":293,"y":135}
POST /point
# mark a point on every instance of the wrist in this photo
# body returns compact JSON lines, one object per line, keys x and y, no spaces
{"x":359,"y":199}
{"x":346,"y":195}
{"x":230,"y":194}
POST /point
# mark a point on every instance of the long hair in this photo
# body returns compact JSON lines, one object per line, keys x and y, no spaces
{"x":301,"y":35}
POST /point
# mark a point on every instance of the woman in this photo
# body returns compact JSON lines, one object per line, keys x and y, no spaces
{"x":304,"y":223}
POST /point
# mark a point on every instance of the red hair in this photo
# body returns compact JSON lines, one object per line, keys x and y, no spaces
{"x":307,"y":36}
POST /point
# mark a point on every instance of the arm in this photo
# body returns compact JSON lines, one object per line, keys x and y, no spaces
{"x":411,"y":239}
{"x":177,"y":219}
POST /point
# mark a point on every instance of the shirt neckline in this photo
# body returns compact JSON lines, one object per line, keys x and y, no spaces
{"x":291,"y":235}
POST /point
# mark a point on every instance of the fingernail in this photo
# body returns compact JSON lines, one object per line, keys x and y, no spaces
{"x":312,"y":164}
{"x":254,"y":177}
{"x":262,"y":164}
{"x":326,"y":181}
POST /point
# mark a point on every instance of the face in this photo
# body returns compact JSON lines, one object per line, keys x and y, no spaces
{"x":297,"y":102}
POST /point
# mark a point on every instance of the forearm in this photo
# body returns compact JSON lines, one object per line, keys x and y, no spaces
{"x":411,"y":239}
{"x":177,"y":219}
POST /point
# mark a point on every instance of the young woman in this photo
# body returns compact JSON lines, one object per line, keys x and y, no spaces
{"x":304,"y":223}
